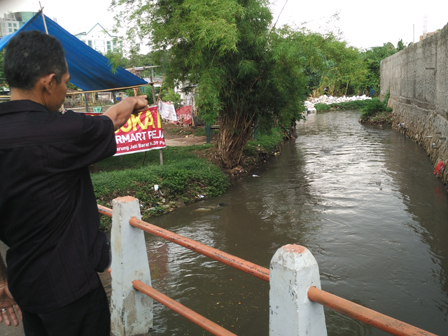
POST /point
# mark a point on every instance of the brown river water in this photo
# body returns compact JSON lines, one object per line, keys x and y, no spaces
{"x":363,"y":199}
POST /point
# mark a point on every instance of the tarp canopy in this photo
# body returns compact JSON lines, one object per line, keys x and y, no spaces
{"x":89,"y":69}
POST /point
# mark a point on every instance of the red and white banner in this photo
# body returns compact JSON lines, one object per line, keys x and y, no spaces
{"x":141,"y":133}
{"x":184,"y":115}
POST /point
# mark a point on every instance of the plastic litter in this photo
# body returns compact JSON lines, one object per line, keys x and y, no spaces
{"x":255,"y":175}
{"x":156,"y":187}
{"x":439,"y":168}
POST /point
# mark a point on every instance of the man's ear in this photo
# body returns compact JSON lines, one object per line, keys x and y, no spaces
{"x":48,"y":82}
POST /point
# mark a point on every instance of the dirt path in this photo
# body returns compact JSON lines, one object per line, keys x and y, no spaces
{"x":184,"y":136}
{"x":190,"y":141}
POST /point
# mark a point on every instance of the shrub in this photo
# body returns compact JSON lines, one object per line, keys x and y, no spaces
{"x":343,"y":106}
{"x":183,"y":175}
{"x":375,"y":106}
{"x":266,"y":143}
{"x":322,"y":107}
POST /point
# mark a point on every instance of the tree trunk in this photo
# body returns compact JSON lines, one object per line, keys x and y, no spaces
{"x":234,"y":132}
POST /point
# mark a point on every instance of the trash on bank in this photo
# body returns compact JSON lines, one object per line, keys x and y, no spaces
{"x":439,"y":168}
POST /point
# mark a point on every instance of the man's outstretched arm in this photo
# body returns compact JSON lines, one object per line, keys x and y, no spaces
{"x":121,"y":112}
{"x":7,"y":303}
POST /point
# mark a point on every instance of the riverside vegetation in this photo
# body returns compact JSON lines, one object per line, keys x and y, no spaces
{"x":373,"y":111}
{"x":189,"y":174}
{"x":376,"y":112}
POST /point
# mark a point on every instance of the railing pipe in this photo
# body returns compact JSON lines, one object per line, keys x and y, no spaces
{"x":366,"y":315}
{"x":175,"y":306}
{"x":225,"y":258}
{"x":105,"y":211}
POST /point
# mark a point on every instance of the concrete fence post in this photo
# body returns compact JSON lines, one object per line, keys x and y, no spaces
{"x":293,"y":271}
{"x":131,"y":310}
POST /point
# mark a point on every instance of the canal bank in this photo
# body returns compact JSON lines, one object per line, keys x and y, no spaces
{"x":417,"y":80}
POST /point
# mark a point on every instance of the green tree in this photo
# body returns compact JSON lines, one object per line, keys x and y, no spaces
{"x":329,"y":63}
{"x":116,"y":59}
{"x":245,"y":72}
{"x":3,"y":84}
{"x":168,"y":94}
{"x":2,"y":75}
{"x":372,"y":59}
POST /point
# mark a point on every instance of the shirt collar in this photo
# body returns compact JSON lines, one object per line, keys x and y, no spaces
{"x":21,"y":106}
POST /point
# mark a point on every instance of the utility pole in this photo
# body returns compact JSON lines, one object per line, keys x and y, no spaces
{"x":413,"y":33}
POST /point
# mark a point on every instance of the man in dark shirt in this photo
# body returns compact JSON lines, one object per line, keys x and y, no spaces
{"x":48,"y":213}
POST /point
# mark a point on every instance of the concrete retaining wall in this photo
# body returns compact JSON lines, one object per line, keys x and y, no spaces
{"x":417,"y":78}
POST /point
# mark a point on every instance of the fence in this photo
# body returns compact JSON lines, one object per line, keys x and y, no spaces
{"x":295,"y":298}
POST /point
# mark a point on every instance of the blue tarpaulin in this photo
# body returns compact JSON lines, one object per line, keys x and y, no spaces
{"x":89,"y":69}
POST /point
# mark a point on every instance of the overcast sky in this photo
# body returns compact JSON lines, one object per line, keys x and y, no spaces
{"x":364,"y":24}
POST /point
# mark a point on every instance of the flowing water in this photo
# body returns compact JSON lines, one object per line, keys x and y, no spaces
{"x":363,"y":199}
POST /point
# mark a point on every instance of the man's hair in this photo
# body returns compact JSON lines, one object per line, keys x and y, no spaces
{"x":31,"y":55}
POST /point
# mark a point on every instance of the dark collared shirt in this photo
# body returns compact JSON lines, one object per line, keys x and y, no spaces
{"x":48,"y":212}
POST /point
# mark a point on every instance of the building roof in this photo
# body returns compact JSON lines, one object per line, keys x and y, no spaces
{"x":97,"y":24}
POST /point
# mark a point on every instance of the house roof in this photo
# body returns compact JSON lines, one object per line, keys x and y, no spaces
{"x":97,"y":24}
{"x":89,"y":69}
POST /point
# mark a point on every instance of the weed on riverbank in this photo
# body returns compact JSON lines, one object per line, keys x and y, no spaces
{"x":378,"y":119}
{"x":183,"y":179}
{"x":344,"y":106}
{"x":376,"y":112}
{"x":373,"y":111}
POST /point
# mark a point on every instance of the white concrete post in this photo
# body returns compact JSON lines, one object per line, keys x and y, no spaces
{"x":293,"y":271}
{"x":131,"y":311}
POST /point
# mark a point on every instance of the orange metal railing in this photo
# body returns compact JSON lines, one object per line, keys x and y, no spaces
{"x":105,"y":211}
{"x":358,"y":312}
{"x":225,"y":258}
{"x":175,"y":306}
{"x":366,"y":315}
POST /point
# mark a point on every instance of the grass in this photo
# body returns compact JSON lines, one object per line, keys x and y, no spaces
{"x":265,"y":143}
{"x":344,"y":106}
{"x":183,"y":178}
{"x":377,"y":112}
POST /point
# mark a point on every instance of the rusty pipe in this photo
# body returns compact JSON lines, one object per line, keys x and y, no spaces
{"x":104,"y":211}
{"x":225,"y":258}
{"x":366,"y":315}
{"x":175,"y":306}
{"x":228,"y":259}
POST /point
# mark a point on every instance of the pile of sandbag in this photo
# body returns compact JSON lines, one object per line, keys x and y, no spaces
{"x":309,"y":104}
